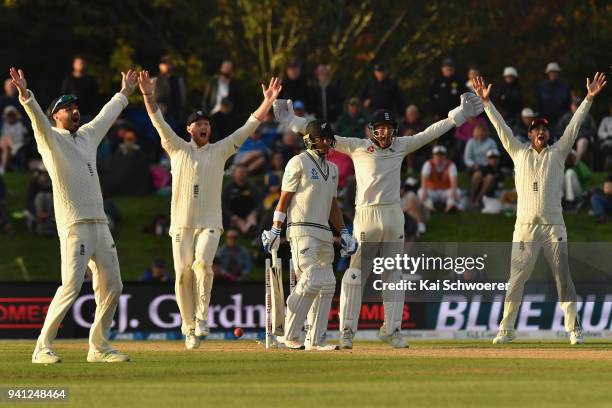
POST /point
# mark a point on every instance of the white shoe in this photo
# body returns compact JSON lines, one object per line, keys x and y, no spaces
{"x":192,"y":341}
{"x":201,"y":328}
{"x":395,"y":339}
{"x":111,"y":356}
{"x":45,"y":356}
{"x":293,"y":345}
{"x":504,"y":337}
{"x":321,"y":347}
{"x":346,"y":339}
{"x":576,"y":337}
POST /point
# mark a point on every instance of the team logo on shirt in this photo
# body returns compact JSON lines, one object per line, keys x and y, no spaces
{"x":313,"y":174}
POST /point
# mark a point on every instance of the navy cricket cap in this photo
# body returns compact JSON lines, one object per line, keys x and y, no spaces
{"x":197,"y":115}
{"x":537,"y":123}
{"x":61,"y":102}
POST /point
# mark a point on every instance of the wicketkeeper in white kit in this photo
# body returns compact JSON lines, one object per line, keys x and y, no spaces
{"x":195,"y":215}
{"x":539,"y":173}
{"x":308,"y":202}
{"x":68,"y":152}
{"x":379,"y":220}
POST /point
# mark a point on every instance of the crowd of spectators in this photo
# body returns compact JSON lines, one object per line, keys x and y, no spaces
{"x":131,"y":161}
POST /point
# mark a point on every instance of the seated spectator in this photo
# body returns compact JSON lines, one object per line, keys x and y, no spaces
{"x":240,"y":201}
{"x":521,"y":129}
{"x":255,"y":151}
{"x":586,"y":134}
{"x":412,"y":205}
{"x":605,"y":139}
{"x":291,"y":145}
{"x":509,"y":96}
{"x":439,"y":182}
{"x":345,"y":166}
{"x":272,"y":184}
{"x":12,"y":135}
{"x":577,"y":174}
{"x":352,"y":121}
{"x":233,"y":262}
{"x":41,"y":216}
{"x":475,"y":158}
{"x":157,"y":273}
{"x":601,"y":201}
{"x":223,"y":121}
{"x":5,"y":225}
{"x":126,"y":171}
{"x":491,"y":185}
{"x":464,"y":133}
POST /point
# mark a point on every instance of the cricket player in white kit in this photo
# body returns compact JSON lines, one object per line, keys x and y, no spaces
{"x":308,"y":202}
{"x":379,"y":220}
{"x":539,"y":173}
{"x":68,"y":151}
{"x":195,"y":217}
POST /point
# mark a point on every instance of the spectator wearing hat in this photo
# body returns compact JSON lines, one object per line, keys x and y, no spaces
{"x":326,"y":100}
{"x":157,"y":272}
{"x":170,"y":91}
{"x":601,"y":201}
{"x":294,"y":85}
{"x":605,"y":140}
{"x":84,"y":86}
{"x":586,"y":133}
{"x":439,"y":182}
{"x":233,"y":262}
{"x":12,"y":135}
{"x":352,"y":121}
{"x":521,"y":128}
{"x":509,"y":96}
{"x":476,"y":160}
{"x":221,"y":87}
{"x":224,"y":121}
{"x":554,"y":97}
{"x":382,"y":92}
{"x":446,"y":89}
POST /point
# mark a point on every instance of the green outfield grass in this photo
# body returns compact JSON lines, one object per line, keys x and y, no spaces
{"x":137,"y":249}
{"x":241,"y":373}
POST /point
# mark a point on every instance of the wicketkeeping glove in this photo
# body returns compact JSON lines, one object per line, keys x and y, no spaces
{"x":470,"y":107}
{"x":348,"y":242}
{"x":271,"y":239}
{"x":283,"y":112}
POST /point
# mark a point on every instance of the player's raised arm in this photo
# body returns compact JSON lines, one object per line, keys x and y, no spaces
{"x":510,"y":143}
{"x":40,"y":122}
{"x":169,"y":139}
{"x":470,"y":106}
{"x":566,"y":141}
{"x":111,"y":111}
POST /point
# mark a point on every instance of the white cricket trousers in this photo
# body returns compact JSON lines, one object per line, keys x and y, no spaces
{"x":527,"y":241}
{"x":193,"y":250}
{"x":78,"y":244}
{"x":380,"y":231}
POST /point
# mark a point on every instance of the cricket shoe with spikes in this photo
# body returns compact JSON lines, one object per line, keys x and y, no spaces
{"x":576,"y":337}
{"x":111,"y":356}
{"x":346,"y":339}
{"x":395,"y":339}
{"x":321,"y":347}
{"x":504,"y":336}
{"x":45,"y":356}
{"x":293,"y":345}
{"x":192,"y":341}
{"x":201,"y":329}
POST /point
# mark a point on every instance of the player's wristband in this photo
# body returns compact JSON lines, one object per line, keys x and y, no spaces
{"x":344,"y":231}
{"x":279,"y":216}
{"x":275,"y":231}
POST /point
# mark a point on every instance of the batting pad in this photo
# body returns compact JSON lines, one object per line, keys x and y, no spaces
{"x":350,"y":299}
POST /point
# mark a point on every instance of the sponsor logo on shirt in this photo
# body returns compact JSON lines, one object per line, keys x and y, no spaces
{"x":313,"y":174}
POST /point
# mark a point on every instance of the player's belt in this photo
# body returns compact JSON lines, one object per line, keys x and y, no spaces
{"x":309,"y":224}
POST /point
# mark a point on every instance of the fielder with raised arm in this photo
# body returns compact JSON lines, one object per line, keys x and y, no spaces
{"x":379,"y":220}
{"x":308,"y":201}
{"x":539,"y":170}
{"x":68,"y":151}
{"x":195,"y":215}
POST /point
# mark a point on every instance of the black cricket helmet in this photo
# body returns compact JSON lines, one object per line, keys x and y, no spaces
{"x":318,"y":128}
{"x":383,"y":117}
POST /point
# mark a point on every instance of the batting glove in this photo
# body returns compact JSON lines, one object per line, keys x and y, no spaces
{"x":271,"y":239}
{"x":470,"y":107}
{"x":348,"y":242}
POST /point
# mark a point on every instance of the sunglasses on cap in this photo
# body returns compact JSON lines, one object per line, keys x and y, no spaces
{"x":63,"y":101}
{"x":538,"y":122}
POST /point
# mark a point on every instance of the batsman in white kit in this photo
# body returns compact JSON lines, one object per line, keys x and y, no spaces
{"x":68,"y":152}
{"x":539,"y":173}
{"x":308,"y":202}
{"x":379,"y":220}
{"x":195,"y":217}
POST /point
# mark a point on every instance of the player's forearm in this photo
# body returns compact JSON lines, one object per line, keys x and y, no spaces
{"x":430,"y":134}
{"x":503,"y":130}
{"x":261,"y":112}
{"x":335,"y":216}
{"x":150,"y":103}
{"x":571,"y":131}
{"x":40,"y":122}
{"x":108,"y":115}
{"x":281,"y":208}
